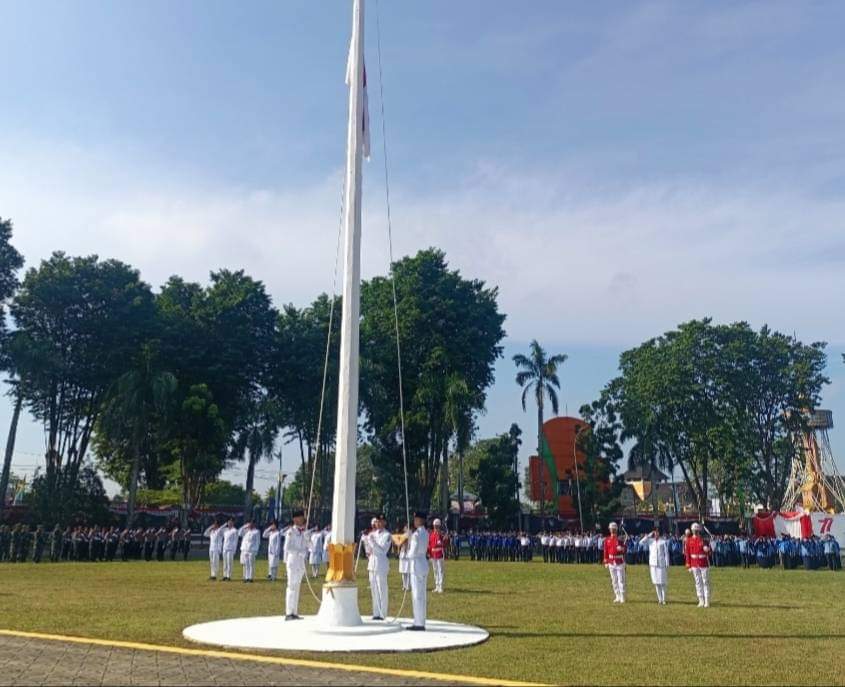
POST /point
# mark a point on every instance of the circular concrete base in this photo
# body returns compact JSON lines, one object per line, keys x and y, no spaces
{"x":274,"y":632}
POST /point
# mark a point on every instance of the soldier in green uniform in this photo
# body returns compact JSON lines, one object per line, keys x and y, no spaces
{"x":26,"y":544}
{"x":5,"y":542}
{"x":38,"y":543}
{"x":56,"y":544}
{"x":15,"y":546}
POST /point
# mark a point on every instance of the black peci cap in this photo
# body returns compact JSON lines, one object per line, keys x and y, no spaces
{"x":298,"y":513}
{"x":420,"y":514}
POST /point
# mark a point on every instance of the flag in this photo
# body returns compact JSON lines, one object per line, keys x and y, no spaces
{"x":548,"y":458}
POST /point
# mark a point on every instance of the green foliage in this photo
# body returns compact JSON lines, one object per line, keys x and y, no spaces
{"x":448,"y":326}
{"x":496,"y":479}
{"x":719,"y":402}
{"x":81,"y":501}
{"x":79,"y":322}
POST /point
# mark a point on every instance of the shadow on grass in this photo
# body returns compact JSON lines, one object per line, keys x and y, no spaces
{"x":722,"y":604}
{"x":458,"y":590}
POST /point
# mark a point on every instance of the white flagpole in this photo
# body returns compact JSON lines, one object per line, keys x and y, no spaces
{"x":340,"y":605}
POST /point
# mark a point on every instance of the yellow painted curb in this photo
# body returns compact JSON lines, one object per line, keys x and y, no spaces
{"x":277,"y":660}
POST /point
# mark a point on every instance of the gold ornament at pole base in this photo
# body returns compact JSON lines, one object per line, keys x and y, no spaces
{"x":341,"y":563}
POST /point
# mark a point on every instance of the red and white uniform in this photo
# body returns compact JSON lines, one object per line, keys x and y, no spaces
{"x":698,"y":563}
{"x":436,"y":544}
{"x":614,"y":561}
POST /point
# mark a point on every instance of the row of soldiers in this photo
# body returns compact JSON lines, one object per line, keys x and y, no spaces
{"x":23,"y":543}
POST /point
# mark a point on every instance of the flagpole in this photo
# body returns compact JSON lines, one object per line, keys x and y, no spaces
{"x":340,"y":596}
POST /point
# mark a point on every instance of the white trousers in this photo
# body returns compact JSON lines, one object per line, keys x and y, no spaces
{"x":702,"y":584}
{"x":661,"y":593}
{"x":295,"y":573}
{"x":248,"y":561}
{"x":406,"y":581}
{"x":437,"y":566}
{"x":617,"y":580}
{"x":273,"y":565}
{"x":214,"y":559}
{"x":228,"y":557}
{"x":378,"y":592}
{"x":418,"y":596}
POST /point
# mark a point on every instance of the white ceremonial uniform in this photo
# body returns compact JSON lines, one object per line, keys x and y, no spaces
{"x":295,"y":551}
{"x":405,"y":568}
{"x":215,"y":547}
{"x":315,"y":552}
{"x":230,"y":545}
{"x":658,"y":565}
{"x":249,"y":549}
{"x":378,"y":546}
{"x":417,"y":549}
{"x":274,"y":550}
{"x":327,"y":538}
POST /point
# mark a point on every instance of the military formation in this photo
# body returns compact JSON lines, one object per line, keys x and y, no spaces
{"x":22,"y":543}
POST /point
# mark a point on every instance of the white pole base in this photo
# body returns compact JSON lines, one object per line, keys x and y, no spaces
{"x":339,"y":607}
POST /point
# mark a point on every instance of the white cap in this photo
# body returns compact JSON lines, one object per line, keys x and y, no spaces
{"x":436,"y":522}
{"x":696,"y":527}
{"x":374,"y":522}
{"x":612,"y":526}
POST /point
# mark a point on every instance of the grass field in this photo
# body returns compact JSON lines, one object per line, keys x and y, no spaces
{"x":548,"y":623}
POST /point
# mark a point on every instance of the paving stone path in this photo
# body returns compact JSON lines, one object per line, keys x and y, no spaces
{"x":26,"y":661}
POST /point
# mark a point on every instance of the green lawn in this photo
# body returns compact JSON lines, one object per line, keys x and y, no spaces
{"x":548,"y":623}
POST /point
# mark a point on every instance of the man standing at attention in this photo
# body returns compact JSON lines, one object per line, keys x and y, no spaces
{"x":215,"y":546}
{"x":698,"y":564}
{"x":614,"y":561}
{"x":658,"y":563}
{"x":436,"y":544}
{"x":230,"y":545}
{"x":274,"y":548}
{"x":295,"y":551}
{"x":249,"y":549}
{"x":417,"y":548}
{"x":378,"y":546}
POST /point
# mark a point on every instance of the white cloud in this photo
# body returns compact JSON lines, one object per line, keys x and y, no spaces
{"x":573,"y":263}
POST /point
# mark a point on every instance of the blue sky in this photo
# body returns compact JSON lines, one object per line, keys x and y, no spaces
{"x":615,"y":168}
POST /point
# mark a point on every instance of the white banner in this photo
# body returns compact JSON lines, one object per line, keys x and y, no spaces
{"x":790,"y":526}
{"x":827,"y":523}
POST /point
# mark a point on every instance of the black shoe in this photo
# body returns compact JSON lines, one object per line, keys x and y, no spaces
{"x":377,"y":617}
{"x":290,"y":617}
{"x":213,"y":578}
{"x":415,"y":628}
{"x":297,"y":617}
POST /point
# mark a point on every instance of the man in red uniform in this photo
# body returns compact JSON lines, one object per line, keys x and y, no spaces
{"x":614,"y":561}
{"x":436,"y":548}
{"x":698,"y":552}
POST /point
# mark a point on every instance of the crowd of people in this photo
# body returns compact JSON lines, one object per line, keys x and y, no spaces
{"x":810,"y":553}
{"x":21,"y":543}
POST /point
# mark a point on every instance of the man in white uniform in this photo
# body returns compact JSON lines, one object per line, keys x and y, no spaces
{"x":295,"y":551}
{"x":417,"y":550}
{"x":215,"y":546}
{"x":230,"y":545}
{"x":658,"y":563}
{"x":250,"y":543}
{"x":378,"y":546}
{"x":315,"y":552}
{"x":274,"y":549}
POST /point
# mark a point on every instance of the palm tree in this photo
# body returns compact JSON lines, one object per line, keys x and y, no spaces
{"x":256,"y":440}
{"x":460,"y":403}
{"x":537,"y":372}
{"x":133,"y":402}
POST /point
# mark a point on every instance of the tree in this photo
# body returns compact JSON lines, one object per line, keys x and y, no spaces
{"x":83,"y":501}
{"x":198,"y":443}
{"x":140,"y":397}
{"x":537,"y":372}
{"x":496,"y":479}
{"x":79,"y":320}
{"x":448,"y":326}
{"x":460,"y":405}
{"x":256,"y":440}
{"x":10,"y":262}
{"x":600,"y":442}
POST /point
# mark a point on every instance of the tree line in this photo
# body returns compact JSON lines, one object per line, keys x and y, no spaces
{"x":162,"y":390}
